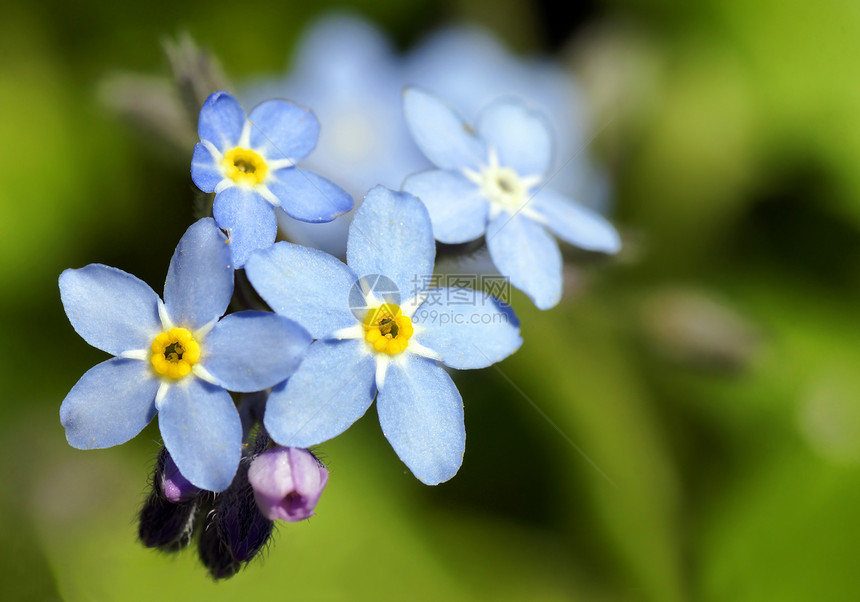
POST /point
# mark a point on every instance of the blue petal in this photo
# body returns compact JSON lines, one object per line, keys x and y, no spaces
{"x":305,"y":285}
{"x":456,"y":206}
{"x":283,"y":130}
{"x":248,"y":219}
{"x":341,"y":46}
{"x":110,"y":404}
{"x":221,"y":121}
{"x":112,"y":310}
{"x":440,"y":133}
{"x":199,"y":281}
{"x":332,"y":388}
{"x":391,"y":235}
{"x":308,"y":197}
{"x":202,"y":431}
{"x":421,"y":414}
{"x":205,"y":171}
{"x":253,"y":350}
{"x":528,"y":255}
{"x":521,"y":137}
{"x":576,"y":224}
{"x":468,"y":328}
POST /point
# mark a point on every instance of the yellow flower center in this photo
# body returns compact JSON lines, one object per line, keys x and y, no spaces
{"x":386,"y":329}
{"x":174,"y":353}
{"x":245,"y":166}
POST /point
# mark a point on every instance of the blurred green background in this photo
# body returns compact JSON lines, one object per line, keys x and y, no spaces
{"x":685,"y":426}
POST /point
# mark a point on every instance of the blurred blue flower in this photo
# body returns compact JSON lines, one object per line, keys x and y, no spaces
{"x":369,"y":339}
{"x":250,"y":165}
{"x":492,"y":181}
{"x":349,"y":72}
{"x":471,"y":68}
{"x":174,"y":357}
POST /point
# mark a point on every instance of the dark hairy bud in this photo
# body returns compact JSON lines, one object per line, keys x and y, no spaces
{"x":235,"y":530}
{"x":165,"y":524}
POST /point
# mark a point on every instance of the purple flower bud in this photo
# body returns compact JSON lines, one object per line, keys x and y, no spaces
{"x":175,"y":487}
{"x":167,"y":522}
{"x":287,"y":482}
{"x":235,"y":531}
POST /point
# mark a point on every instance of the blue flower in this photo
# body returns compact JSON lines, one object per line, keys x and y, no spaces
{"x":348,"y":70}
{"x":250,"y":165}
{"x":371,"y":340}
{"x":471,"y":68}
{"x":174,"y":357}
{"x":492,"y":181}
{"x":350,"y":73}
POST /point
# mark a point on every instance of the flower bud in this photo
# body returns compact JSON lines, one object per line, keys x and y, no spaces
{"x":167,"y":517}
{"x":175,"y":487}
{"x":166,"y":525}
{"x":235,"y":531}
{"x":287,"y":482}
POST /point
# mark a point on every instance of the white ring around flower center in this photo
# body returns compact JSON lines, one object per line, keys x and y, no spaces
{"x":506,"y":189}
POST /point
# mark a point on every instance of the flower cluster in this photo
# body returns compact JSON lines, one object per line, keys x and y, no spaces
{"x":351,"y":74}
{"x":241,"y":395}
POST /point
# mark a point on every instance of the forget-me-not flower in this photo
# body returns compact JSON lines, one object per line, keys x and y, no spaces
{"x":352,"y":76}
{"x":471,"y":68}
{"x":492,"y":181}
{"x":350,"y":73}
{"x":174,"y":358}
{"x":371,"y":340}
{"x":250,"y":165}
